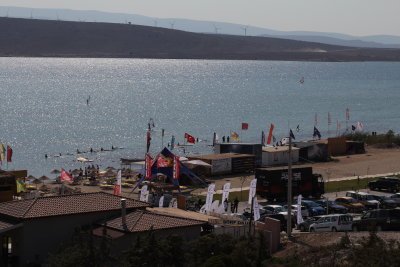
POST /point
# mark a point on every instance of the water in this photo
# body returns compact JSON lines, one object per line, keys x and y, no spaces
{"x":44,"y":111}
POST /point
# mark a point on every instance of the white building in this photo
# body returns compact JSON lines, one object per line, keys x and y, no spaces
{"x":279,"y":155}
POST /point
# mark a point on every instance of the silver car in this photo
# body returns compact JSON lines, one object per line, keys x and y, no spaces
{"x":332,"y":223}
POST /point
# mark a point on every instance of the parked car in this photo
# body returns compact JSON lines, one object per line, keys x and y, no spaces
{"x":351,"y":204}
{"x":385,"y":202}
{"x":273,"y":209}
{"x":379,"y":220}
{"x":391,"y":184}
{"x":313,"y":208}
{"x":332,"y":206}
{"x":304,"y":210}
{"x":305,"y":225}
{"x":396,"y":197}
{"x":332,"y":223}
{"x":366,"y":199}
{"x":281,"y":218}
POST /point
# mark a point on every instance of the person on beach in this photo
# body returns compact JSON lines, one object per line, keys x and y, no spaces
{"x":227,"y":139}
{"x":223,"y":139}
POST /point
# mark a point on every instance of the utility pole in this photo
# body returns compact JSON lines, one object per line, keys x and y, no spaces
{"x":289,"y":189}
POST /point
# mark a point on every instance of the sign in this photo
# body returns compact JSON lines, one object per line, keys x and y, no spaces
{"x":210,"y":195}
{"x":221,"y":165}
{"x":256,"y":209}
{"x":225,"y":191}
{"x":299,"y":216}
{"x":252,"y":189}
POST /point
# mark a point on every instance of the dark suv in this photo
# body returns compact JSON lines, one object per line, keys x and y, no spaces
{"x":378,"y":220}
{"x":388,"y":183}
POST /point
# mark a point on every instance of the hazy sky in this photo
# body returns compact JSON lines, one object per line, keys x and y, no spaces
{"x":357,"y":17}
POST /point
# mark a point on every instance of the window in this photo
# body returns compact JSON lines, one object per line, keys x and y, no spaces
{"x":334,"y":219}
{"x":327,"y":219}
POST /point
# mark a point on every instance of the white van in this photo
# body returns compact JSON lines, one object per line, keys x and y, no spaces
{"x":332,"y":223}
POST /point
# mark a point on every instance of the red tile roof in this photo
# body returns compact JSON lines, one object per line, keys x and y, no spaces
{"x":142,"y":220}
{"x":66,"y":205}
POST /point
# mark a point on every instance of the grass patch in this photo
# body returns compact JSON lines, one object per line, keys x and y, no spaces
{"x":353,"y":184}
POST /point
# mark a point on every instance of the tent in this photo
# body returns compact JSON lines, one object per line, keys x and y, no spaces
{"x":163,"y":163}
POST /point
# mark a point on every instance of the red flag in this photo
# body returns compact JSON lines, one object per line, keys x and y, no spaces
{"x":148,"y":165}
{"x":9,"y":154}
{"x":65,"y":176}
{"x":245,"y":126}
{"x":347,"y":114}
{"x":271,"y":129}
{"x":189,"y":138}
{"x":177,"y":168}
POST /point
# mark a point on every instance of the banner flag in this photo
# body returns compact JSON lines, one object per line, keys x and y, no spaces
{"x":117,"y":186}
{"x":189,"y":138}
{"x":210,"y":194}
{"x":337,"y":125}
{"x":144,"y":194}
{"x":256,"y":209}
{"x":234,"y":136}
{"x":225,"y":192}
{"x":215,"y":139}
{"x":292,"y":135}
{"x":299,"y":215}
{"x":65,"y":176}
{"x":2,"y":152}
{"x":359,"y":126}
{"x":347,"y":114}
{"x":21,"y":185}
{"x":245,"y":126}
{"x":172,"y":142}
{"x":298,"y":128}
{"x":161,"y":202}
{"x":148,"y":140}
{"x":316,"y":133}
{"x":329,"y":118}
{"x":176,"y":172}
{"x":162,"y":132}
{"x":10,"y":153}
{"x":353,"y":128}
{"x":271,"y":129}
{"x":262,"y":138}
{"x":148,"y":165}
{"x":252,"y":189}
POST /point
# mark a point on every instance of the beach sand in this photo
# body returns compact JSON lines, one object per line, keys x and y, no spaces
{"x":375,"y":161}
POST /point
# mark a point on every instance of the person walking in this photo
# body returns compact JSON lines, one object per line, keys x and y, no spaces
{"x":236,"y":204}
{"x":226,"y":205}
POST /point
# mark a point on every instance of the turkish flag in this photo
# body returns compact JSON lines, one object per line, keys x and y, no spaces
{"x":189,"y":138}
{"x":245,"y":126}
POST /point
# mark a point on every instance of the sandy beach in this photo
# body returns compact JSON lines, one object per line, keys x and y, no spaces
{"x":375,"y":161}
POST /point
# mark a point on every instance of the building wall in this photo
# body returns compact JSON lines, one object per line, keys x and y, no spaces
{"x":16,"y":241}
{"x":278,"y":157}
{"x":42,"y":236}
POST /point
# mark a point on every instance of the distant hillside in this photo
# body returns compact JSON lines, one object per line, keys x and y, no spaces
{"x":375,"y":41}
{"x":47,"y":38}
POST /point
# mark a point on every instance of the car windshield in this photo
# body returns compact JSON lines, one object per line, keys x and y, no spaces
{"x":351,"y":200}
{"x":369,"y":197}
{"x":311,"y":204}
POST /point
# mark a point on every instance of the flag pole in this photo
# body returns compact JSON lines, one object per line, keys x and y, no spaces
{"x":289,"y":196}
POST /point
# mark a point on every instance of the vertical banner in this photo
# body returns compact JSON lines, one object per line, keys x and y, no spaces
{"x":148,"y":140}
{"x":172,"y":142}
{"x":176,"y":170}
{"x":329,"y":118}
{"x":117,"y":186}
{"x":144,"y":194}
{"x":256,"y":209}
{"x":299,"y":215}
{"x":210,"y":194}
{"x":271,"y":129}
{"x":347,"y":114}
{"x":148,"y":166}
{"x":252,"y":189}
{"x":225,"y":192}
{"x":245,"y":126}
{"x":10,"y":153}
{"x":262,"y":138}
{"x":161,"y":202}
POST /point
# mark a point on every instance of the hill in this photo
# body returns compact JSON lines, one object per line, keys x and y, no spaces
{"x":52,"y":38}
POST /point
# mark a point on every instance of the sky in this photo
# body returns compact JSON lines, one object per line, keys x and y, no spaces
{"x":355,"y":17}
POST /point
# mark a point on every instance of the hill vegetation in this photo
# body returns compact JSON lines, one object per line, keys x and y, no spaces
{"x":52,"y":38}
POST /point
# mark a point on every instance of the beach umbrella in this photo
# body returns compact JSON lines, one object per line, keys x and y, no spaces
{"x":55,"y":171}
{"x":43,"y":178}
{"x":30,"y":178}
{"x":36,"y":182}
{"x":76,"y":172}
{"x":110,"y":169}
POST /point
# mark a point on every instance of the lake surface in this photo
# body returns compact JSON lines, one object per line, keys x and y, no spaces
{"x":44,"y":111}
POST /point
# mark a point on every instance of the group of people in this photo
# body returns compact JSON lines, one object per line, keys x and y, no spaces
{"x":227,"y":139}
{"x":234,"y":205}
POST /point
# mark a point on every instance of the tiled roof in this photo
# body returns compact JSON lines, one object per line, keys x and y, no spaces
{"x":4,"y":225}
{"x":142,"y":220}
{"x":66,"y":205}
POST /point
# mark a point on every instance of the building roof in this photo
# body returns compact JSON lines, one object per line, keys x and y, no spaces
{"x":66,"y":205}
{"x":222,"y":156}
{"x":278,"y":149}
{"x":183,"y":213}
{"x":142,"y":221}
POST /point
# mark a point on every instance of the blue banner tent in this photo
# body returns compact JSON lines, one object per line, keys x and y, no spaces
{"x":168,"y":159}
